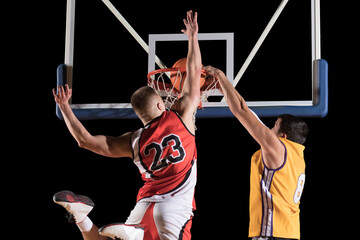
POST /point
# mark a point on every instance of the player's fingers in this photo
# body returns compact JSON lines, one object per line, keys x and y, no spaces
{"x":68,"y":90}
{"x":206,"y":68}
{"x":189,"y":16}
{"x":55,"y":95}
{"x":195,"y":17}
{"x":58,"y":91}
{"x":61,"y":92}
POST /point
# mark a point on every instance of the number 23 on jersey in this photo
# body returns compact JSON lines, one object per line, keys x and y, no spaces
{"x":177,"y":152}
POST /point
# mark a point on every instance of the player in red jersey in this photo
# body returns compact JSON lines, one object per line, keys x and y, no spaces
{"x":164,"y":151}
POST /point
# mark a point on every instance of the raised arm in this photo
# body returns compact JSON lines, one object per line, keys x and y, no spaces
{"x":104,"y":145}
{"x":190,"y":97}
{"x":272,"y":149}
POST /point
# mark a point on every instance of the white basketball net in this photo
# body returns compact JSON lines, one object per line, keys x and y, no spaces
{"x":160,"y":82}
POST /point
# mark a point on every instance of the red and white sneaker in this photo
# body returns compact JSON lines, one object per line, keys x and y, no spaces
{"x":78,"y":206}
{"x":123,"y":231}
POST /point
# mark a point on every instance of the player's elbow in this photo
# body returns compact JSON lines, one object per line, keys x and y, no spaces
{"x":239,"y":108}
{"x":85,"y":145}
{"x":82,"y":144}
{"x":238,"y":113}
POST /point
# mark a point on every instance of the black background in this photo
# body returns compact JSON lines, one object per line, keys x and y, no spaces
{"x":43,"y":158}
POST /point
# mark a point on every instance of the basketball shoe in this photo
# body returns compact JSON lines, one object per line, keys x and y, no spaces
{"x":123,"y":231}
{"x":78,"y":206}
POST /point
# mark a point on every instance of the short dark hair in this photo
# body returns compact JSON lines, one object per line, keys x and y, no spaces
{"x":295,"y":128}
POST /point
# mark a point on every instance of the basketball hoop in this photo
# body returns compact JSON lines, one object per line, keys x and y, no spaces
{"x":168,"y":82}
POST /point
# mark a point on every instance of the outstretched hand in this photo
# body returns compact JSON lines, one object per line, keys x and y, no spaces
{"x":215,"y":72}
{"x":62,"y":96}
{"x":191,"y":24}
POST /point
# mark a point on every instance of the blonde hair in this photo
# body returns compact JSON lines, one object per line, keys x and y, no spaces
{"x":142,"y":101}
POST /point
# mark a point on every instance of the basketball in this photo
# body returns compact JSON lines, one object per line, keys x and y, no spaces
{"x":177,"y":80}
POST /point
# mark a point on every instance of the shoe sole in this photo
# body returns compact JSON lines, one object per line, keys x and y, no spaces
{"x":70,"y":197}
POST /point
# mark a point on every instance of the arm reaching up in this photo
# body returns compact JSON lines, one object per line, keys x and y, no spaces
{"x":190,"y":97}
{"x":104,"y":145}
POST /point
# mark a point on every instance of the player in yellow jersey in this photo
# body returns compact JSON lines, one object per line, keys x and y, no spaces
{"x":277,"y":170}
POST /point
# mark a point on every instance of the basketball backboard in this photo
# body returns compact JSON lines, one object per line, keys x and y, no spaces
{"x":269,"y":50}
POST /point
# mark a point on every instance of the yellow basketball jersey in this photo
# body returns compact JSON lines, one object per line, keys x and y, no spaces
{"x":275,"y":194}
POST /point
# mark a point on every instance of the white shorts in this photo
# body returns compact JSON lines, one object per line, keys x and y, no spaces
{"x":162,"y":220}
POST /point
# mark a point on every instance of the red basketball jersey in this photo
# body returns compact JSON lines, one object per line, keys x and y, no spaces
{"x":165,"y":153}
